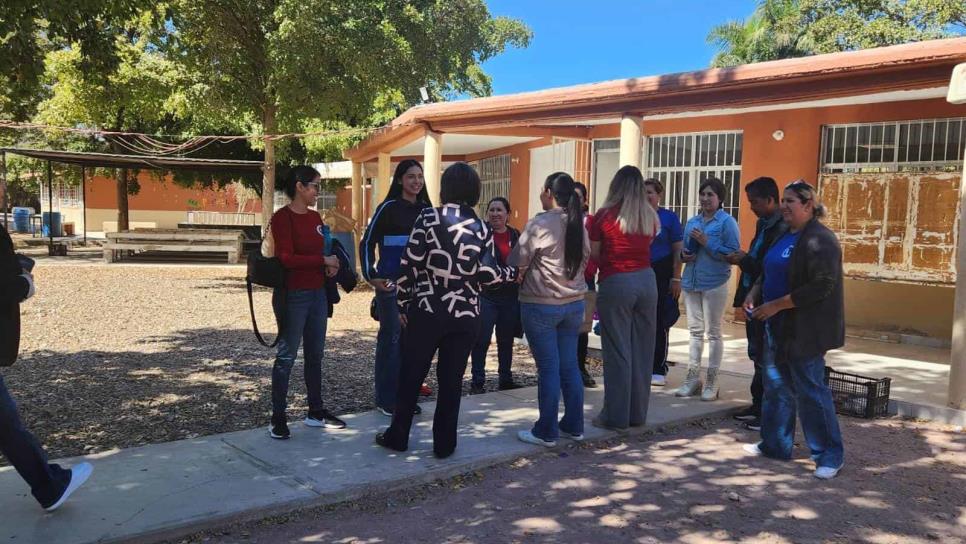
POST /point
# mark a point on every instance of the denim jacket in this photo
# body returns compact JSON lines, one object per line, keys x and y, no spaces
{"x":710,"y":270}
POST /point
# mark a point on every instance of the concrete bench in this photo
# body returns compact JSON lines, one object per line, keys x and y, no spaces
{"x":193,"y":240}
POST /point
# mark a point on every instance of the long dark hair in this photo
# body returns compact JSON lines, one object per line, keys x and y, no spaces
{"x":396,"y":189}
{"x":561,"y":186}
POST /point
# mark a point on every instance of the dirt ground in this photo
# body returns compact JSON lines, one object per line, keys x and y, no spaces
{"x":903,"y":482}
{"x":115,"y":356}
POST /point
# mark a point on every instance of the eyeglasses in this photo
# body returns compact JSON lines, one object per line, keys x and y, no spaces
{"x":313,"y":185}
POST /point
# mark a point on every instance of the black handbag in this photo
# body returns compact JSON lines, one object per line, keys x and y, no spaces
{"x":267,"y":272}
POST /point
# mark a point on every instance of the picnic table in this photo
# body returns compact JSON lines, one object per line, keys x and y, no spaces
{"x":175,"y":240}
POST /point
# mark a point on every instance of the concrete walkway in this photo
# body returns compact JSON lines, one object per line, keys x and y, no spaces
{"x":163,"y":490}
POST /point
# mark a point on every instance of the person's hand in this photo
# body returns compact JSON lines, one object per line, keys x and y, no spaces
{"x":736,"y":257}
{"x":749,"y":303}
{"x":403,"y":320}
{"x":332,"y":265}
{"x":381,"y":285}
{"x":766,"y":310}
{"x":699,"y":237}
{"x":688,"y":257}
{"x":675,"y":289}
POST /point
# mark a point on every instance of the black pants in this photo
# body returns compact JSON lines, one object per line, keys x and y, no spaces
{"x":424,"y":335}
{"x":755,"y":331}
{"x":47,"y":481}
{"x":663,"y":272}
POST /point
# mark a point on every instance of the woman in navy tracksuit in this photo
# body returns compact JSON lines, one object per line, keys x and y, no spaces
{"x":388,"y":233}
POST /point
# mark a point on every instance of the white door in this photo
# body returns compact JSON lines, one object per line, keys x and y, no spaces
{"x":541,"y":166}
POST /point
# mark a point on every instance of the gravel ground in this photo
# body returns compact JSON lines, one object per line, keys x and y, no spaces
{"x":903,"y":482}
{"x":115,"y":356}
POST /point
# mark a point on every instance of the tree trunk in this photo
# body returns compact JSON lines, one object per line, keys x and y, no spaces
{"x":122,"y":204}
{"x":268,"y":167}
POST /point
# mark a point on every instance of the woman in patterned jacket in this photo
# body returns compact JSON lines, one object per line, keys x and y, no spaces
{"x":449,"y":255}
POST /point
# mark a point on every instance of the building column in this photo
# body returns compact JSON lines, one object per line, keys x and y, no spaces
{"x":384,"y":179}
{"x":631,"y":143}
{"x":357,"y":206}
{"x":957,"y":355}
{"x":433,"y":164}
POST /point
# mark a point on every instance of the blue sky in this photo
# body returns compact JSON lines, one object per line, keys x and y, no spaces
{"x":580,"y":41}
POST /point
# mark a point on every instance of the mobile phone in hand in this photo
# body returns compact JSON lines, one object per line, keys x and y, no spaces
{"x":26,"y":263}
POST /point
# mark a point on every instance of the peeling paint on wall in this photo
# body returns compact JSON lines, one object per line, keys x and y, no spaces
{"x":895,"y":226}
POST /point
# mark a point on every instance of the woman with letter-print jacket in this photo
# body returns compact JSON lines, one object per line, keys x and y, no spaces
{"x":449,"y":256}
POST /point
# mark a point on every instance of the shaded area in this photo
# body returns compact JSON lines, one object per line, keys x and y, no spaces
{"x":903,"y":483}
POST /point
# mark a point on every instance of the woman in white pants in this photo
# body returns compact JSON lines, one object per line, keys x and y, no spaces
{"x":708,"y":238}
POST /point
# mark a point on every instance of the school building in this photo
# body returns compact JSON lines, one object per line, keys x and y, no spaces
{"x":871,"y":129}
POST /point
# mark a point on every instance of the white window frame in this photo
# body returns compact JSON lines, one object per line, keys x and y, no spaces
{"x":682,"y":172}
{"x":879,"y":147}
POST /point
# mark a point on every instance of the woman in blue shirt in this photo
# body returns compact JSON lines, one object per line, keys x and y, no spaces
{"x":666,"y":263}
{"x":709,"y":237}
{"x":802,"y":303}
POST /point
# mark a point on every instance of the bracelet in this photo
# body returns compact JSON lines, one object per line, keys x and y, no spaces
{"x":675,"y":280}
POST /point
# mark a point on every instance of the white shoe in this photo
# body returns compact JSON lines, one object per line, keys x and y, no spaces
{"x":752,"y":449}
{"x":710,"y":391}
{"x":574,"y":437}
{"x":659,"y":380}
{"x":827,"y":473}
{"x":78,"y":475}
{"x":529,"y":438}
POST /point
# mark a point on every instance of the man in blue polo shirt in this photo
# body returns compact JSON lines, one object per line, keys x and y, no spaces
{"x":666,"y":263}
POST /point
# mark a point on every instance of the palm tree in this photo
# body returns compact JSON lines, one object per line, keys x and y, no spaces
{"x":773,"y":31}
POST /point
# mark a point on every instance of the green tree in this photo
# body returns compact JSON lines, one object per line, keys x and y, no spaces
{"x":794,"y":28}
{"x":285,"y":65}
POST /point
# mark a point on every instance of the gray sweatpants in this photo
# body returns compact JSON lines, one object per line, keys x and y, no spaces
{"x":627,"y":305}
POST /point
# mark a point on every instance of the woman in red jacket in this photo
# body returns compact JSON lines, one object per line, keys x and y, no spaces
{"x":301,"y":308}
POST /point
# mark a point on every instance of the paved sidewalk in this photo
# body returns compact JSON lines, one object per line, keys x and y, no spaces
{"x":168,"y":489}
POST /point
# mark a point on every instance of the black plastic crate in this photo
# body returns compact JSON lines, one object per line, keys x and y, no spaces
{"x":859,"y":396}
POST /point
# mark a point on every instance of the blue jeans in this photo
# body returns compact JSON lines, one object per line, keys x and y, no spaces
{"x":791,"y":385}
{"x":504,"y":314}
{"x":47,"y":481}
{"x":552,"y":334}
{"x":304,"y":319}
{"x":388,"y":350}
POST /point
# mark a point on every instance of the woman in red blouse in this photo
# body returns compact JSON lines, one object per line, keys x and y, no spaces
{"x":302,"y":244}
{"x":620,"y":242}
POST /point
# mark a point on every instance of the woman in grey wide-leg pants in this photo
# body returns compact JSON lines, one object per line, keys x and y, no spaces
{"x":627,"y":304}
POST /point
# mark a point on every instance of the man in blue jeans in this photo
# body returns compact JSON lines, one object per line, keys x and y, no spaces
{"x":49,"y":483}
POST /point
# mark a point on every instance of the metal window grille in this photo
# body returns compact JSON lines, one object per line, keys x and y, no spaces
{"x":65,"y":195}
{"x":683,"y":161}
{"x":495,"y":177}
{"x":326,"y":201}
{"x":927,"y":145}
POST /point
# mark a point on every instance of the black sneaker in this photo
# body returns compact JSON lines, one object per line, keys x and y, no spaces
{"x":324,"y":418}
{"x":384,"y":442}
{"x":417,"y":410}
{"x":588,"y":380}
{"x":753,"y":424}
{"x":477,"y":389}
{"x":279,"y":430}
{"x":509,"y":386}
{"x":746,"y":414}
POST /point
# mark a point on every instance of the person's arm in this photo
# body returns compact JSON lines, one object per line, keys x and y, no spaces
{"x":822,"y":269}
{"x":412,"y":262}
{"x":727,"y":242}
{"x":489,"y":271}
{"x":370,"y":239}
{"x":593,"y":227}
{"x":284,"y":235}
{"x":678,"y":267}
{"x":522,"y":254}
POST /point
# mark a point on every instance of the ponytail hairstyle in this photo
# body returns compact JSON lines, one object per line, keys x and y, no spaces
{"x":303,"y":174}
{"x":628,"y":197}
{"x":396,"y":189}
{"x":561,"y":186}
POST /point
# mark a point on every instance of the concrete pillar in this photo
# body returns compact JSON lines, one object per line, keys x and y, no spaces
{"x":381,"y":186}
{"x":433,"y":164}
{"x":357,"y":206}
{"x":631,"y":143}
{"x":957,"y":357}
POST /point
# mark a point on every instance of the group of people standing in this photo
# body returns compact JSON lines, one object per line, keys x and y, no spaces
{"x":445,"y":279}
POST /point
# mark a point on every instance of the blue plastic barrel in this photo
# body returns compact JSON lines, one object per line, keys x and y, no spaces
{"x":47,"y":218}
{"x":21,"y":219}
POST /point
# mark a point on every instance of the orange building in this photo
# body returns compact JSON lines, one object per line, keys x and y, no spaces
{"x":871,"y":129}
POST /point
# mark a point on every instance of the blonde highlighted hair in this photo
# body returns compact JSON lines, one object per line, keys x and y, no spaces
{"x":628,"y":195}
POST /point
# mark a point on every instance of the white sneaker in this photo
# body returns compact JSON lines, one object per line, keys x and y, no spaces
{"x":574,"y":437}
{"x":659,"y":380}
{"x":827,"y":473}
{"x":78,"y":475}
{"x":529,"y":438}
{"x":752,"y":449}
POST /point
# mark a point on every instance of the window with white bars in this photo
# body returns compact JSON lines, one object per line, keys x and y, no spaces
{"x":65,"y":195}
{"x":683,"y":161}
{"x":495,"y":177}
{"x":929,"y":145}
